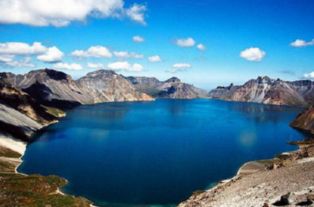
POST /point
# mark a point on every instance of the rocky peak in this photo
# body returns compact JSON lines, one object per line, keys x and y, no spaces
{"x":264,"y":79}
{"x":173,"y":80}
{"x":46,"y":73}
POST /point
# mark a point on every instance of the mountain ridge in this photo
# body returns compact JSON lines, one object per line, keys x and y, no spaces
{"x":268,"y":91}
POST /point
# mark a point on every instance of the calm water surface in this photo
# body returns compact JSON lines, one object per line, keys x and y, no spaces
{"x":157,"y":153}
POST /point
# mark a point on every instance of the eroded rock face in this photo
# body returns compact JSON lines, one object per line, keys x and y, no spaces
{"x":105,"y":85}
{"x":171,"y":88}
{"x":58,"y":89}
{"x":305,"y":121}
{"x":268,"y":91}
{"x":22,"y":102}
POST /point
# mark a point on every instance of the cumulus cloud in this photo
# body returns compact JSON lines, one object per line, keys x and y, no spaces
{"x":10,"y":51}
{"x":177,"y":67}
{"x":21,"y":48}
{"x":52,"y":55}
{"x":154,"y":59}
{"x":302,"y":43}
{"x":137,"y":13}
{"x":253,"y":54}
{"x":185,"y":42}
{"x":68,"y":66}
{"x":309,"y":75}
{"x":201,"y":47}
{"x":95,"y":65}
{"x":181,"y":65}
{"x":125,"y":66}
{"x":10,"y":61}
{"x":138,"y":39}
{"x":94,"y":51}
{"x":57,"y":13}
{"x":125,"y":54}
{"x":6,"y":58}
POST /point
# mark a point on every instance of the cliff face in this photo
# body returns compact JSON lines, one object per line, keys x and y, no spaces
{"x":305,"y":121}
{"x":58,"y":89}
{"x":171,"y":88}
{"x":21,"y":115}
{"x":268,"y":91}
{"x":104,"y":86}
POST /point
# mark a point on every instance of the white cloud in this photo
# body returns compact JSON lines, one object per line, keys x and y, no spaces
{"x":302,"y":43}
{"x":253,"y":54}
{"x":309,"y":75}
{"x":138,"y":39}
{"x":52,"y":55}
{"x":62,"y":13}
{"x":6,"y":58}
{"x":95,"y":65}
{"x":181,"y":65}
{"x":125,"y":66}
{"x":177,"y":67}
{"x":137,"y":13}
{"x":154,"y":58}
{"x":21,"y":48}
{"x":10,"y":50}
{"x":201,"y":47}
{"x":125,"y":54}
{"x":94,"y":51}
{"x":185,"y":42}
{"x":68,"y":66}
{"x":10,"y":61}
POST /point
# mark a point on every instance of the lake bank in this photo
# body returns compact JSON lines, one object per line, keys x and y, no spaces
{"x":19,"y":189}
{"x":287,"y":179}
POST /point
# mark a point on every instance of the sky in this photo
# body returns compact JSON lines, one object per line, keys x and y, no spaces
{"x":205,"y":43}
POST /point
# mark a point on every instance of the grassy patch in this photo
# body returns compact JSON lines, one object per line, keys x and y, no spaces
{"x":35,"y":190}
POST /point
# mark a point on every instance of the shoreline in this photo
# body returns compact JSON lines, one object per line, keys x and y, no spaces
{"x":9,"y":146}
{"x":226,"y":192}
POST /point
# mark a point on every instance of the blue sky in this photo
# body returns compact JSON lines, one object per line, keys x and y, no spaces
{"x":262,"y":30}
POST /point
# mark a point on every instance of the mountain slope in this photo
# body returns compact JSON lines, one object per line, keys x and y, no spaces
{"x":305,"y":121}
{"x":108,"y":86}
{"x":268,"y":91}
{"x":55,"y":88}
{"x":171,"y":88}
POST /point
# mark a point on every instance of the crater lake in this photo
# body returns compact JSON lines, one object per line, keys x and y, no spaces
{"x":157,"y":153}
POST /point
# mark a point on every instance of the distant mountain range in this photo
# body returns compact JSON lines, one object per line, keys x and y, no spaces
{"x":171,"y":88}
{"x":54,"y":88}
{"x":268,"y":91}
{"x":57,"y":89}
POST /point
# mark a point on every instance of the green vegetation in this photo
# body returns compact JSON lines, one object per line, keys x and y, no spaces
{"x":35,"y":190}
{"x":31,"y":190}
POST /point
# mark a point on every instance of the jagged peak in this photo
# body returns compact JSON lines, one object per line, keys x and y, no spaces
{"x":51,"y":73}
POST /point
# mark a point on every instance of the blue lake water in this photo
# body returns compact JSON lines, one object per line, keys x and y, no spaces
{"x":157,"y":153}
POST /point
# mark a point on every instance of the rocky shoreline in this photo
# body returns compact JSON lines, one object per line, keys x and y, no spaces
{"x":18,"y":189}
{"x":286,"y":180}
